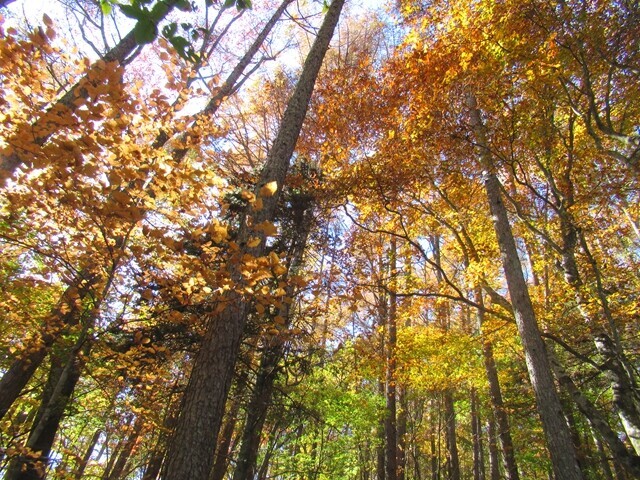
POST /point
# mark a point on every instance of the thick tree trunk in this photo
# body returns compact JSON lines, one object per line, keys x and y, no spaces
{"x":562,"y":453}
{"x":190,"y":453}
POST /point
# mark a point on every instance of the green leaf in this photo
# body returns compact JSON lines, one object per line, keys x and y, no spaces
{"x":228,"y":4}
{"x":106,"y":7}
{"x":133,"y":11}
{"x":159,"y":11}
{"x":145,"y":31}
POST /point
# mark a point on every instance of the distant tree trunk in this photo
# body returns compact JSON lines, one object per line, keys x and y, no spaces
{"x":380,"y":449}
{"x":476,"y":432}
{"x":390,"y":425}
{"x":562,"y":453}
{"x":128,"y":446}
{"x":82,"y":464}
{"x":452,"y":442}
{"x":497,"y":403}
{"x":494,"y":463}
{"x":402,"y":432}
{"x":190,"y":451}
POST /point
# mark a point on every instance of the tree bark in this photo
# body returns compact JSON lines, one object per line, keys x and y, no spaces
{"x":390,"y":425}
{"x":562,"y":453}
{"x":452,"y":442}
{"x":476,"y":432}
{"x":190,"y":451}
{"x":621,"y":455}
{"x":60,"y":386}
{"x":65,"y":314}
{"x":82,"y":465}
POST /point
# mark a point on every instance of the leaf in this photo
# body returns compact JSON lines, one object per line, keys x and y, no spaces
{"x":132,"y":11}
{"x":47,"y":20}
{"x":145,"y":31}
{"x":253,"y":242}
{"x":106,"y":7}
{"x":269,"y":189}
{"x":267,"y":228}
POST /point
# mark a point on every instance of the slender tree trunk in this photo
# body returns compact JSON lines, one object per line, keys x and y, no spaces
{"x":82,"y":465}
{"x":562,"y":453}
{"x":190,"y":452}
{"x":476,"y":432}
{"x":621,"y":455}
{"x":390,"y":425}
{"x":226,"y":436}
{"x":402,"y":432}
{"x":452,"y":442}
{"x":66,"y":313}
{"x":60,"y":386}
{"x":494,"y":463}
{"x":497,"y":403}
{"x":128,"y":446}
{"x":380,"y":448}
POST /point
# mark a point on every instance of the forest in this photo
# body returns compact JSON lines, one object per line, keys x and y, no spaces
{"x":305,"y":240}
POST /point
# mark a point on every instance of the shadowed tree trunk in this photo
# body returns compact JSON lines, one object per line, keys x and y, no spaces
{"x":190,"y":453}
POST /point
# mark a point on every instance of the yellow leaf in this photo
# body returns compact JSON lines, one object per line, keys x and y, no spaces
{"x":267,"y":228}
{"x":268,"y":189}
{"x":253,"y":242}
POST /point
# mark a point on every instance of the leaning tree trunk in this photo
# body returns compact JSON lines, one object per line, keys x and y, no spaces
{"x":190,"y":452}
{"x":562,"y":453}
{"x":60,"y":386}
{"x":66,"y":313}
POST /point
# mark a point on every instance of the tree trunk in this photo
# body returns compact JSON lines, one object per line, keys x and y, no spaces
{"x":128,"y":446}
{"x":390,"y":425}
{"x":60,"y":386}
{"x":562,"y":453}
{"x":380,"y":449}
{"x":494,"y":465}
{"x":476,"y":432}
{"x":65,"y":314}
{"x":223,"y":449}
{"x":452,"y":442}
{"x":497,"y":403}
{"x":82,"y":465}
{"x":190,"y":451}
{"x":621,"y":455}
